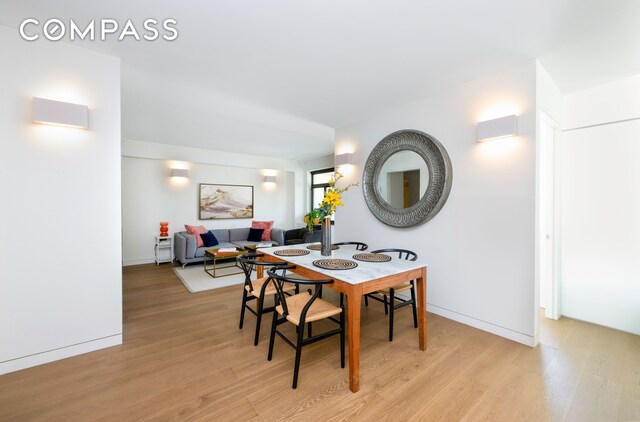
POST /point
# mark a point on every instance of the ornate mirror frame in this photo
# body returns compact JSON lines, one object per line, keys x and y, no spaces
{"x":440,"y":178}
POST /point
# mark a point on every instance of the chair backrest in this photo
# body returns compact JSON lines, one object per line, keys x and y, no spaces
{"x":282,"y":278}
{"x":360,"y":246}
{"x":248,"y":262}
{"x":402,"y":253}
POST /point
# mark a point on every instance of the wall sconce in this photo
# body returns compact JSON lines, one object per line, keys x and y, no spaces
{"x":497,"y":128}
{"x":270,"y":179}
{"x":50,"y":112}
{"x":179,"y":173}
{"x":343,"y":159}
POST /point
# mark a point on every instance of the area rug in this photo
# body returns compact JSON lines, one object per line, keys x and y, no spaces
{"x":196,"y":280}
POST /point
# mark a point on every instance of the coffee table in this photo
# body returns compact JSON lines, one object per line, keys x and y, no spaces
{"x":216,"y":257}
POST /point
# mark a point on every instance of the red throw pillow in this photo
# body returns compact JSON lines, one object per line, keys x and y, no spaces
{"x":196,"y":231}
{"x":266,"y":225}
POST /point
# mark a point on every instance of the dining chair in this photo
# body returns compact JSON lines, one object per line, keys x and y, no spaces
{"x":258,"y":289}
{"x":359,"y":245}
{"x":300,"y":309}
{"x":396,"y":302}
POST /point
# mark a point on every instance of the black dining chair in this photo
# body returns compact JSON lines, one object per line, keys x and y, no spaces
{"x":300,"y":309}
{"x":258,"y":289}
{"x":359,"y":245}
{"x":394,"y":301}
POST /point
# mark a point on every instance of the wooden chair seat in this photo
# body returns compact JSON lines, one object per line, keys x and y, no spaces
{"x":270,"y":290}
{"x":319,"y":309}
{"x":398,"y":288}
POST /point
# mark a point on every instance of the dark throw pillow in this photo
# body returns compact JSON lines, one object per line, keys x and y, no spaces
{"x":255,"y":235}
{"x":209,"y":239}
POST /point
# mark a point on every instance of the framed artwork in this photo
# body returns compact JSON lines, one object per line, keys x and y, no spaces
{"x":225,"y":201}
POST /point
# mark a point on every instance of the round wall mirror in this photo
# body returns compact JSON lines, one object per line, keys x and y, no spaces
{"x":407,"y":178}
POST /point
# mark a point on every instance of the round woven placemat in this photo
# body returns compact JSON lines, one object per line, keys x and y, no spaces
{"x":335,"y":264}
{"x":291,"y":252}
{"x":317,"y":247}
{"x":372,"y":257}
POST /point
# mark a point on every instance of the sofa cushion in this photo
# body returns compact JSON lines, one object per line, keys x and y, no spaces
{"x":255,"y":235}
{"x":238,"y":234}
{"x":221,"y":234}
{"x":196,"y":231}
{"x":209,"y":239}
{"x":266,"y":226}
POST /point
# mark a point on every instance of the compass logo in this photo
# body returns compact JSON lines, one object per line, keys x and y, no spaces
{"x":55,"y":29}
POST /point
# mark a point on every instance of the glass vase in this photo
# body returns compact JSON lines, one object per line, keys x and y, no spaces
{"x":325,"y":248}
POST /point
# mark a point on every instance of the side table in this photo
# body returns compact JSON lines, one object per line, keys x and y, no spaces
{"x":164,"y":249}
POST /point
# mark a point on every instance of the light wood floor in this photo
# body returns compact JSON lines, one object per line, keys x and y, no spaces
{"x":183,"y":358}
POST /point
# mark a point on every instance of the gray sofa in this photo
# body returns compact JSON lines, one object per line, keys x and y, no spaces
{"x":187,"y":252}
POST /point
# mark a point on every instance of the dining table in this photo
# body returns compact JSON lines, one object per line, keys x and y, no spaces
{"x":354,"y":282}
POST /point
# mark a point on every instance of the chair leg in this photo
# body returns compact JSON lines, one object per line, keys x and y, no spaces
{"x":296,"y":367}
{"x":244,"y":304}
{"x":309,"y":328}
{"x":366,"y":300}
{"x":273,"y":334}
{"x":391,"y":309}
{"x":342,"y":335}
{"x":259,"y":320}
{"x":413,"y":305}
{"x":386,"y":309}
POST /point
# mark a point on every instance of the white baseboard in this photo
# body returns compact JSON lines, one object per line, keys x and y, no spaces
{"x":516,"y":336}
{"x":138,"y":262}
{"x":477,"y":323}
{"x":57,"y":354}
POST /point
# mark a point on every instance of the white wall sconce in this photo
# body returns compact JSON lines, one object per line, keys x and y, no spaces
{"x":50,"y":112}
{"x":343,"y":159}
{"x":502,"y":127}
{"x":179,"y":173}
{"x":270,"y":179}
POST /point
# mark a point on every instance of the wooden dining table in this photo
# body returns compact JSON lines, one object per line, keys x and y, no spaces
{"x":367,"y":277}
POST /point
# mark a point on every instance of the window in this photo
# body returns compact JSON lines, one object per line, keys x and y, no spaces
{"x":319,"y":185}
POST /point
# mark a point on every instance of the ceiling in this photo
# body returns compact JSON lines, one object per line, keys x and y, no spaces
{"x":276,"y":77}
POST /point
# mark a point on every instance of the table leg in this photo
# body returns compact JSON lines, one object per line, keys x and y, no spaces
{"x":354,"y":297}
{"x":422,"y":309}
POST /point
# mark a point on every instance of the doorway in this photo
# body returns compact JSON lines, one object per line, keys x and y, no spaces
{"x":548,"y":216}
{"x":403,"y":188}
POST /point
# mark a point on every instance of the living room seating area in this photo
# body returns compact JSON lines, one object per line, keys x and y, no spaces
{"x":187,"y":250}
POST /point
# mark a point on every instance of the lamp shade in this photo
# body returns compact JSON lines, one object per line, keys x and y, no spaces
{"x":497,"y":128}
{"x":58,"y":113}
{"x":179,"y":173}
{"x":270,"y":179}
{"x":343,"y":159}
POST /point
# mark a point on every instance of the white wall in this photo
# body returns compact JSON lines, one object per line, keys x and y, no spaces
{"x":150,"y":195}
{"x":60,"y":253}
{"x":480,"y":247}
{"x":601,"y":206}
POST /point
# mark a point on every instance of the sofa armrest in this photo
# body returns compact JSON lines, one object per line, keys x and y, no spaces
{"x":277,"y":235}
{"x":184,"y":246}
{"x":312,"y":237}
{"x":292,"y":234}
{"x":180,"y":247}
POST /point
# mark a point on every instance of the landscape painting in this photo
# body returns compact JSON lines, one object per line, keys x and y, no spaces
{"x":225,"y":201}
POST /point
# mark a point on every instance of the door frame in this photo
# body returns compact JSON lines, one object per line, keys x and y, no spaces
{"x":552,"y":305}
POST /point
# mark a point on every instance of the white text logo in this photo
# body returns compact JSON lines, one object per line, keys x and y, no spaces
{"x":55,"y":29}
